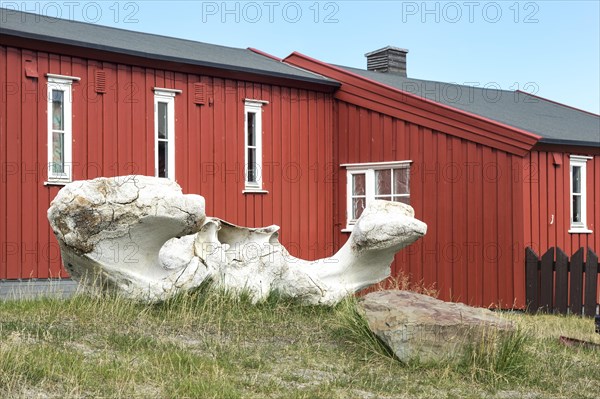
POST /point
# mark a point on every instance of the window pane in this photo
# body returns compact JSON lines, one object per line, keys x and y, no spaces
{"x":163,"y":159}
{"x":401,"y":181}
{"x":251,"y":129}
{"x":384,"y":197}
{"x":383,"y":182}
{"x":577,"y":208}
{"x":251,"y":165}
{"x":358,"y":206}
{"x":577,"y":179}
{"x":405,"y":200}
{"x":58,"y":110}
{"x":163,"y":127}
{"x":58,"y":152}
{"x":358,"y":184}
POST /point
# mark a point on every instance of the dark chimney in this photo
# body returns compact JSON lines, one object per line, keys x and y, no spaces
{"x":388,"y":59}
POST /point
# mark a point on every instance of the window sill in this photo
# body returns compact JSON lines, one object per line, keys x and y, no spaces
{"x":254,"y":191}
{"x":57,"y":182}
{"x":580,"y":231}
{"x":347,"y":230}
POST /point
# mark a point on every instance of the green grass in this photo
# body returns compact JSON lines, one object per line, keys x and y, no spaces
{"x":211,"y":345}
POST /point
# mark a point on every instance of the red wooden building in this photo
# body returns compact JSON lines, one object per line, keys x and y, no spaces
{"x":81,"y":101}
{"x":293,"y":142}
{"x":491,"y":172}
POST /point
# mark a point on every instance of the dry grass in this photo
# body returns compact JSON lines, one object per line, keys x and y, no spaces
{"x":210,"y":345}
{"x":404,"y":282}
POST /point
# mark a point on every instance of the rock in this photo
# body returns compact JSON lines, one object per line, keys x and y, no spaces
{"x":416,"y":326}
{"x":142,"y":237}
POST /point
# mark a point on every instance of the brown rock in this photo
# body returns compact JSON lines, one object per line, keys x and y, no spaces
{"x":416,"y":326}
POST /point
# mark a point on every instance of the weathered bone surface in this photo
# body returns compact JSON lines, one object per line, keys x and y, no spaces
{"x":141,"y":236}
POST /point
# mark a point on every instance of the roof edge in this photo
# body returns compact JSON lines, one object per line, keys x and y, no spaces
{"x":571,"y":142}
{"x":116,"y":50}
{"x":528,"y":136}
{"x":264,"y":54}
{"x":557,"y":103}
{"x":52,"y":19}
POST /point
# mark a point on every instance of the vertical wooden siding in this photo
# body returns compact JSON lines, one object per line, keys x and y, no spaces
{"x":113,"y":134}
{"x":462,"y":190}
{"x":547,"y":192}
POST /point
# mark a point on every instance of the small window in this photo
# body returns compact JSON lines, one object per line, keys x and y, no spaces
{"x":388,"y":181}
{"x":60,"y":128}
{"x":58,"y":132}
{"x":358,"y":195}
{"x":164,"y":128}
{"x":578,"y":194}
{"x":253,"y":145}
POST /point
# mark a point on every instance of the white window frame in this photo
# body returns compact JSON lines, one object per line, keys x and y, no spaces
{"x":65,"y":84}
{"x":368,"y":169}
{"x":167,"y":96}
{"x":255,"y":107}
{"x":581,"y":162}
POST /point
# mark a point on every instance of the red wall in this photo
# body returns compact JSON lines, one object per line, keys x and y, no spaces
{"x":483,"y":206}
{"x":113,"y":134}
{"x":481,"y":186}
{"x":482,"y":201}
{"x":547,"y":200}
{"x":464,"y":192}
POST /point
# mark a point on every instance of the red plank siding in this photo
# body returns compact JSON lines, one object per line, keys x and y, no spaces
{"x":505,"y":243}
{"x":444,"y":217}
{"x":459,"y":222}
{"x":50,"y":256}
{"x":429,"y":215}
{"x":462,"y":190}
{"x":14,"y":203}
{"x":519,"y":223}
{"x":113,"y":133}
{"x":489,"y":245}
{"x":548,"y":193}
{"x":273,"y":173}
{"x":416,"y":200}
{"x":3,"y":166}
{"x":30,"y":251}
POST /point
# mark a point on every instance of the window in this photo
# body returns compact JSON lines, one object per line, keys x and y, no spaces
{"x":578,"y":194}
{"x":164,"y":132}
{"x":60,"y":127}
{"x":369,"y":181}
{"x":253,"y":145}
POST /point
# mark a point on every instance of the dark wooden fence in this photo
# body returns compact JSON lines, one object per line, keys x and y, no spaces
{"x":561,"y":285}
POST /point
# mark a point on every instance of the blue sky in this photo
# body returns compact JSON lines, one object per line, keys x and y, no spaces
{"x":548,"y":48}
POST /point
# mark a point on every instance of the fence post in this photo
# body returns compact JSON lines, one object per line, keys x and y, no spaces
{"x":562,"y":282}
{"x":532,"y":281}
{"x":591,"y":283}
{"x":547,"y":281}
{"x":576,"y":271}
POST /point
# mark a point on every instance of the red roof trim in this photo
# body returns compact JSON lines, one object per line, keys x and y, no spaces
{"x":509,"y":138}
{"x":458,"y":129}
{"x":409,"y":106}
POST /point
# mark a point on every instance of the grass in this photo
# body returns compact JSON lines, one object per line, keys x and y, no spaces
{"x":210,"y":345}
